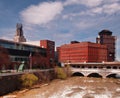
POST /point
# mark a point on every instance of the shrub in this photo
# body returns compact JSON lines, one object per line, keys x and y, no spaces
{"x":67,"y":70}
{"x":60,"y":73}
{"x":28,"y":80}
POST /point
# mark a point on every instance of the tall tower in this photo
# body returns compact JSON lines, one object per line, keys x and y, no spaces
{"x":19,"y":34}
{"x":50,"y":48}
{"x":105,"y":37}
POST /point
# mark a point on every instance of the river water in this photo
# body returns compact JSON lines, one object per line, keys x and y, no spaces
{"x":76,"y":87}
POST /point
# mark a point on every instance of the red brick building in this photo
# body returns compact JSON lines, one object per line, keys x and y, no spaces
{"x":50,"y":49}
{"x":82,"y":52}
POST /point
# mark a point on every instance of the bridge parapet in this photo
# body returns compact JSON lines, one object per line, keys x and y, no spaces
{"x":107,"y":65}
{"x":103,"y":72}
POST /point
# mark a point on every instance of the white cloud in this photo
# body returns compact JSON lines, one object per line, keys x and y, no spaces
{"x":6,"y":38}
{"x":97,"y":10}
{"x":7,"y":34}
{"x":110,"y":1}
{"x":107,"y":9}
{"x":96,"y":7}
{"x":42,"y":13}
{"x":63,"y":38}
{"x":88,"y":3}
{"x":85,"y":24}
{"x":111,"y":8}
{"x":90,"y":23}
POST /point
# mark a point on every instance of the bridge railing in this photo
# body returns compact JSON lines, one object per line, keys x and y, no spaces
{"x":96,"y":70}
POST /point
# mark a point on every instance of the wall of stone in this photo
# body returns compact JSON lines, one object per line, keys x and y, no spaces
{"x":11,"y":83}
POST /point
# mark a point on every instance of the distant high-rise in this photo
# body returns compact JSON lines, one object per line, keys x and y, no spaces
{"x":50,"y":48}
{"x":19,"y":37}
{"x":105,"y":37}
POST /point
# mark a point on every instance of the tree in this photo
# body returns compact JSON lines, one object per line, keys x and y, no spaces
{"x":38,"y":60}
{"x":61,"y":74}
{"x":4,"y":58}
{"x":28,"y":80}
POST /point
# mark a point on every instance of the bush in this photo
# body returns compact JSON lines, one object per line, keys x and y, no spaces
{"x":28,"y":80}
{"x":67,"y":70}
{"x":60,"y":73}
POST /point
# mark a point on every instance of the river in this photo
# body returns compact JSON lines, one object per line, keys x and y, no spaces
{"x":76,"y":87}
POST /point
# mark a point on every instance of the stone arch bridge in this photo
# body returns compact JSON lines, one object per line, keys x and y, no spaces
{"x":108,"y":69}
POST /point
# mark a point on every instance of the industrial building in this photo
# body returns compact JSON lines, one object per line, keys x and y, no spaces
{"x":50,"y":49}
{"x":101,"y":51}
{"x":82,"y":52}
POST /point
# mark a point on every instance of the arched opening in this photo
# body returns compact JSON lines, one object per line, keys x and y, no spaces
{"x":78,"y":66}
{"x":95,"y":67}
{"x":94,"y":75}
{"x":108,"y":67}
{"x":114,"y":67}
{"x":83,"y":66}
{"x":101,"y":67}
{"x":111,"y":76}
{"x":78,"y":74}
{"x":89,"y":66}
{"x":74,"y":66}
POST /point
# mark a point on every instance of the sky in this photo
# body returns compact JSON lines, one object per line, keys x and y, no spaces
{"x":60,"y":20}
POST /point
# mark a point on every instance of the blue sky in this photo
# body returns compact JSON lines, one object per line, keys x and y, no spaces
{"x":60,"y":20}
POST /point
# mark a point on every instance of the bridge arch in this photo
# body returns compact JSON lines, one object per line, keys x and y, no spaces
{"x":77,"y":74}
{"x":94,"y":75}
{"x":108,"y":67}
{"x":112,"y":75}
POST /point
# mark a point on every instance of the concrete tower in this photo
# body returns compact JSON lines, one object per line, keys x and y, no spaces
{"x":105,"y":37}
{"x":19,"y":34}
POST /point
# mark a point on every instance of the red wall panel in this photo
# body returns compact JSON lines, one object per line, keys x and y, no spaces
{"x":82,"y":52}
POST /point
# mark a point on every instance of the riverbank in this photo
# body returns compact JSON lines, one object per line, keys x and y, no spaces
{"x":74,"y":87}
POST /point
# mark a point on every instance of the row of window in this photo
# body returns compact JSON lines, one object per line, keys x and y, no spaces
{"x":19,"y":58}
{"x":19,"y":46}
{"x":107,"y":67}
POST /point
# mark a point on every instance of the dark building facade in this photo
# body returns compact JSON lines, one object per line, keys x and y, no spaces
{"x":105,"y":38}
{"x":20,"y":51}
{"x":50,"y":49}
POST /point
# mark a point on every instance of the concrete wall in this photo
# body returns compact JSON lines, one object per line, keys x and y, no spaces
{"x":10,"y":83}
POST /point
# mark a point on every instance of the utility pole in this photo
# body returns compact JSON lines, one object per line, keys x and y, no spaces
{"x":30,"y":60}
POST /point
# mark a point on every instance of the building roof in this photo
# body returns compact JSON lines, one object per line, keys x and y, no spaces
{"x":34,"y":43}
{"x":22,"y":43}
{"x":105,"y":32}
{"x":86,"y":43}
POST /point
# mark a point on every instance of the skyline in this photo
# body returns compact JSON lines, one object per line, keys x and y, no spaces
{"x":60,"y":20}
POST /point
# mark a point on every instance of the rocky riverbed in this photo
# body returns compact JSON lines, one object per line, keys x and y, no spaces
{"x":74,"y":87}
